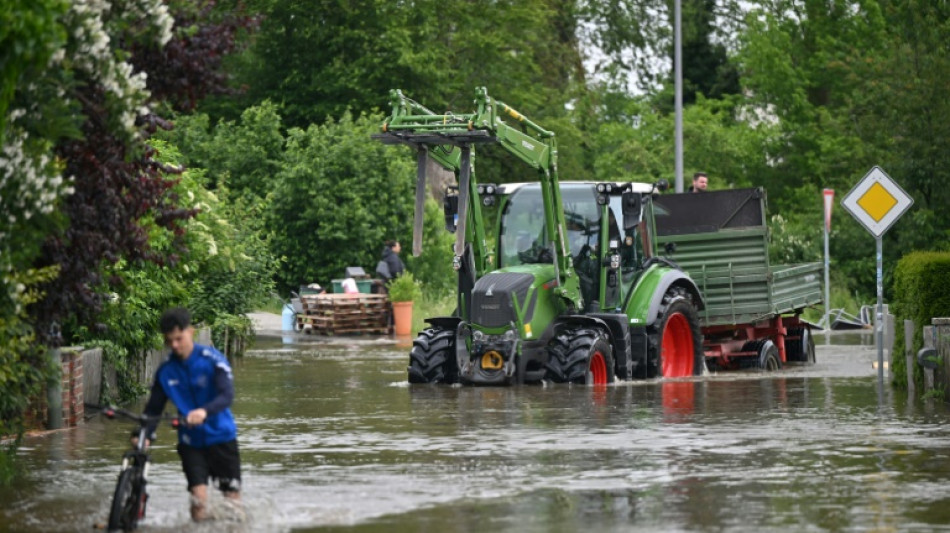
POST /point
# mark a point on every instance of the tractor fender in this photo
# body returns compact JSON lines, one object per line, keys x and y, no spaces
{"x":670,"y":279}
{"x":583,"y":320}
{"x":444,"y":322}
{"x":564,"y":320}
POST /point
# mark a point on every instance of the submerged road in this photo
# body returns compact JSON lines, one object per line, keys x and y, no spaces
{"x":333,"y":439}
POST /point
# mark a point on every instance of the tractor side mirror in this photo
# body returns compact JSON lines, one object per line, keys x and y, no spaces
{"x":450,"y":209}
{"x":632,"y":207}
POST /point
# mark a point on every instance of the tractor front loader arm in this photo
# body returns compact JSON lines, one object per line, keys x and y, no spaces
{"x":450,"y":138}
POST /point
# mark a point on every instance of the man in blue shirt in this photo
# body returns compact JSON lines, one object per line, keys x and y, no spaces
{"x":198,"y":380}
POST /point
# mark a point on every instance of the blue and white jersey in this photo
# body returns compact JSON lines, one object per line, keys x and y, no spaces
{"x":202,"y":380}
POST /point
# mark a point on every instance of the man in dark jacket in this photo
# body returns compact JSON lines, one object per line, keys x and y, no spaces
{"x":198,"y":381}
{"x":394,"y":264}
{"x":700,"y":182}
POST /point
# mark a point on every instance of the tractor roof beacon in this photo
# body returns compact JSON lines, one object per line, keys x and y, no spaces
{"x":556,"y":281}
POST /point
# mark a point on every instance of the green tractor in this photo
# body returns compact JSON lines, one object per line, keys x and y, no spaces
{"x":556,"y":281}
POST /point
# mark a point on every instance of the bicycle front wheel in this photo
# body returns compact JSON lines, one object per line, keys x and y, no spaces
{"x":126,"y":503}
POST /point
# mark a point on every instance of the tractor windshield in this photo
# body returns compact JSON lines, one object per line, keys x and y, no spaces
{"x":523,"y":236}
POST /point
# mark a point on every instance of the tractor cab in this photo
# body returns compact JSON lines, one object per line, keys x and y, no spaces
{"x":605,"y":253}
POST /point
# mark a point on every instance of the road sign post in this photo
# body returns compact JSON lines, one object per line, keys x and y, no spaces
{"x":829,"y":197}
{"x":877,"y":201}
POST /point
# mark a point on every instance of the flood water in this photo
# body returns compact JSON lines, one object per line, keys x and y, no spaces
{"x":333,"y":439}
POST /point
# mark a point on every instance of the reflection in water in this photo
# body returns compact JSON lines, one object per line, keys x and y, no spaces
{"x":333,"y":439}
{"x":678,"y":400}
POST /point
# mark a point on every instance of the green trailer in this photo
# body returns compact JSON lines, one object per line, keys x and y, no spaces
{"x":752,"y":308}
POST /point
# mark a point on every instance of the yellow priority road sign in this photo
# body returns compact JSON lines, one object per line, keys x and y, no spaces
{"x":877,"y":201}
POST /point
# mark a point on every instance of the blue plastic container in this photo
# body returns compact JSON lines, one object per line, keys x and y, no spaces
{"x":288,"y":318}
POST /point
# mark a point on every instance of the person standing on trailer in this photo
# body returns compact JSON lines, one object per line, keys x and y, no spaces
{"x":700,"y":182}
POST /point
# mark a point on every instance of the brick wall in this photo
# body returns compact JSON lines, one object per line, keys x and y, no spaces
{"x":72,"y":383}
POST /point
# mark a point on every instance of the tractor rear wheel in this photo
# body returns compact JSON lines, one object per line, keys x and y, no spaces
{"x":580,"y":356}
{"x":432,"y":359}
{"x":679,"y":340}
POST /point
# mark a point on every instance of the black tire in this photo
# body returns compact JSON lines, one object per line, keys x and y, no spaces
{"x":580,"y":356}
{"x":432,"y":359}
{"x":810,"y":357}
{"x":769,"y":359}
{"x":126,"y":502}
{"x":677,"y":301}
{"x":802,"y":349}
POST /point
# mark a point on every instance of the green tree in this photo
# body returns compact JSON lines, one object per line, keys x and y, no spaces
{"x":337,"y":199}
{"x":635,"y":141}
{"x":851,"y":85}
{"x":316,"y":59}
{"x":245,"y":154}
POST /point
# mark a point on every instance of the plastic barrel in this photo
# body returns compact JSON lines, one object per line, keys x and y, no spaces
{"x":288,"y":317}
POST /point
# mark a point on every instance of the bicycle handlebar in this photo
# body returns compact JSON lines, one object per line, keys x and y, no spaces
{"x":142,"y":419}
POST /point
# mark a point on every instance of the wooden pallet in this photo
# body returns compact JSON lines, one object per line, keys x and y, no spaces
{"x":345,"y":314}
{"x":349,"y":331}
{"x":315,"y":309}
{"x":357,"y":321}
{"x":345,"y":299}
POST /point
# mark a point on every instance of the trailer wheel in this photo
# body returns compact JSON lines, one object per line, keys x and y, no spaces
{"x":679,"y":349}
{"x":803,"y":349}
{"x":580,"y":356}
{"x":769,"y":360}
{"x":432,"y":359}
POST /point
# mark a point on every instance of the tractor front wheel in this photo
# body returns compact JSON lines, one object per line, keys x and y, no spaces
{"x":580,"y":356}
{"x":432,"y":359}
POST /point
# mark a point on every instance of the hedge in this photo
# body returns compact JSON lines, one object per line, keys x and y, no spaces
{"x":921,"y":292}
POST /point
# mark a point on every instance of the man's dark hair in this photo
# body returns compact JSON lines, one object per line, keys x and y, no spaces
{"x":177,"y":318}
{"x":698,"y":175}
{"x":391,"y":244}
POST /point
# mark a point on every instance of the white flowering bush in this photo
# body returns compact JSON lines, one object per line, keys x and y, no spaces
{"x":31,"y":178}
{"x":88,"y":51}
{"x":72,"y":109}
{"x":30,"y":183}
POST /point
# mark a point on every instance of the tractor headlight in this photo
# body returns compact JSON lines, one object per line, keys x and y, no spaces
{"x":510,"y":335}
{"x":456,"y":263}
{"x":615,"y":261}
{"x":478,"y":336}
{"x":488,"y":201}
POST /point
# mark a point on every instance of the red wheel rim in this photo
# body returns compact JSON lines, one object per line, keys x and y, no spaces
{"x":677,"y":349}
{"x":598,"y":369}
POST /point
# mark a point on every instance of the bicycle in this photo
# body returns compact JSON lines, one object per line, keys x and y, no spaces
{"x":130,"y":497}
